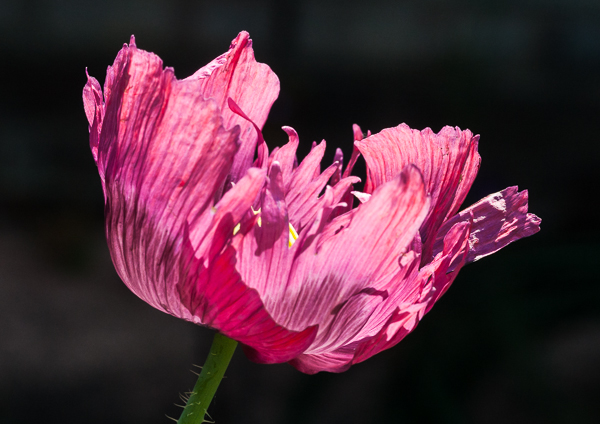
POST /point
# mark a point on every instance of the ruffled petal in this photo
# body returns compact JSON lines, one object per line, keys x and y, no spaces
{"x":253,"y":87}
{"x":498,"y":220}
{"x":306,"y":182}
{"x":448,"y":160}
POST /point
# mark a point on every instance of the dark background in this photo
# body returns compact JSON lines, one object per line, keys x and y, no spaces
{"x":516,"y":339}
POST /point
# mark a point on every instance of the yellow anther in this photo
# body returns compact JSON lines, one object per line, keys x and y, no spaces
{"x":259,"y":221}
{"x":293,"y":235}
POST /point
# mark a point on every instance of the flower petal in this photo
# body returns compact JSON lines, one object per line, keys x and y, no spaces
{"x":216,"y":296}
{"x":498,"y":219}
{"x":164,"y":154}
{"x":327,"y":275}
{"x":253,"y":87}
{"x":448,"y":160}
{"x":306,"y":182}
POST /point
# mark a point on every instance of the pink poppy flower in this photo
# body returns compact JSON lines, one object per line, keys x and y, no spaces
{"x":270,"y":252}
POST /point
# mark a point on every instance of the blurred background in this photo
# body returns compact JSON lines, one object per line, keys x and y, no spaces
{"x":516,"y":339}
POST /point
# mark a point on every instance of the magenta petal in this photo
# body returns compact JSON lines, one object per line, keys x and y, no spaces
{"x":498,"y":219}
{"x":217,"y":297}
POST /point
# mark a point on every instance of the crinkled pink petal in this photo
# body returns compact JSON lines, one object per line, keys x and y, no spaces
{"x":448,"y":160}
{"x":251,"y":85}
{"x":498,"y":219}
{"x":406,"y":308}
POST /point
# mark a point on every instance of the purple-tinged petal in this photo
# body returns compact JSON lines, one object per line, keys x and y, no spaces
{"x":164,"y":153}
{"x":93,"y":104}
{"x":347,"y":198}
{"x":339,"y":159}
{"x":306,"y":182}
{"x":498,"y":219}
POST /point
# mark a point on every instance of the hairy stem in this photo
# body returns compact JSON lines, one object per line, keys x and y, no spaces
{"x":212,"y":373}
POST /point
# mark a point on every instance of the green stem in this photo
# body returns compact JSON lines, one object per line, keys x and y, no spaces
{"x":213,"y":370}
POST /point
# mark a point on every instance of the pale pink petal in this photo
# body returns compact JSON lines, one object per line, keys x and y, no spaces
{"x":362,"y":197}
{"x":498,"y":219}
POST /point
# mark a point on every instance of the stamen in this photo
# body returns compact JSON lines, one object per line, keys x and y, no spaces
{"x":256,"y":213}
{"x":293,"y":235}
